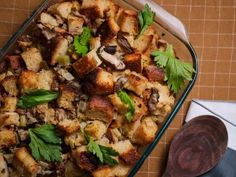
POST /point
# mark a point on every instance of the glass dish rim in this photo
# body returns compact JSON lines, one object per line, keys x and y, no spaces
{"x":169,"y":118}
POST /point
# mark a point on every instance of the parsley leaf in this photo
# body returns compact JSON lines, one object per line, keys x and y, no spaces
{"x":125,"y":98}
{"x":45,"y":144}
{"x":146,"y":18}
{"x":81,"y":42}
{"x":103,"y":153}
{"x":35,"y":97}
{"x":176,"y":71}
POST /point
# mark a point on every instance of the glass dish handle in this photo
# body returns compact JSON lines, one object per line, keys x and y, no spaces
{"x":167,"y":20}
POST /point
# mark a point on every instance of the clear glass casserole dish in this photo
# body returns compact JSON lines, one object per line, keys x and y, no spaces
{"x":167,"y":26}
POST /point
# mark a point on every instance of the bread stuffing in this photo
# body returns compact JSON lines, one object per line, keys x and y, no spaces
{"x":85,"y":91}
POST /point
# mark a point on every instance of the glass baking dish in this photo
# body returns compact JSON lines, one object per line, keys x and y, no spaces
{"x":168,"y":27}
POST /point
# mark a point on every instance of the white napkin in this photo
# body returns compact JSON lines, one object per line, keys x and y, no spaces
{"x":226,"y":111}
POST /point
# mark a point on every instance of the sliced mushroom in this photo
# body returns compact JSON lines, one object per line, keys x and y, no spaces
{"x":153,"y":100}
{"x":110,"y":49}
{"x":120,"y":83}
{"x":124,"y":43}
{"x":113,"y":60}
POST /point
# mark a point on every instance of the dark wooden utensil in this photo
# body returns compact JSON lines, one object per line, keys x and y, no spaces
{"x":197,"y":148}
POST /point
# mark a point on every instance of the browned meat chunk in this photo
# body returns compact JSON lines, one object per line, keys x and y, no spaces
{"x":134,"y":62}
{"x":87,"y":64}
{"x":99,"y":108}
{"x":154,"y":73}
{"x":99,"y":82}
{"x":7,"y":138}
{"x":15,"y":61}
{"x":25,"y":164}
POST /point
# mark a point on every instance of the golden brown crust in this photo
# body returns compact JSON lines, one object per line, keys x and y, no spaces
{"x":69,"y":126}
{"x":154,"y":73}
{"x":130,"y":157}
{"x":134,"y":62}
{"x":66,"y":98}
{"x":99,"y":82}
{"x":99,"y":108}
{"x":10,"y":85}
{"x":25,"y":164}
{"x":7,"y":138}
{"x":103,"y":171}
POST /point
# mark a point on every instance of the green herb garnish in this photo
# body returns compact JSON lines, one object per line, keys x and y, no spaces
{"x":35,"y":97}
{"x":176,"y":71}
{"x":45,"y":144}
{"x":146,"y":18}
{"x":81,"y":42}
{"x":125,"y":98}
{"x":103,"y":153}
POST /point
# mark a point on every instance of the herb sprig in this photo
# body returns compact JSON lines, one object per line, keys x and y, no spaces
{"x":176,"y":71}
{"x":125,"y":98}
{"x":36,"y":97}
{"x":81,"y":42}
{"x":103,"y":153}
{"x":146,"y":18}
{"x":45,"y":143}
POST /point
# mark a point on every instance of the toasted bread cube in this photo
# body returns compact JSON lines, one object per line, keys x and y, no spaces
{"x":95,"y":43}
{"x":103,"y":171}
{"x":74,"y":140}
{"x":7,"y":138}
{"x":33,"y":59}
{"x":45,"y":79}
{"x":120,"y":170}
{"x":69,"y":126}
{"x":146,"y":132}
{"x":85,"y":160}
{"x":142,"y":43}
{"x":48,"y":20}
{"x":99,"y":82}
{"x":137,"y":83}
{"x":75,"y":24}
{"x":94,"y":9}
{"x":99,"y":108}
{"x":60,"y":49}
{"x":153,"y":73}
{"x":118,"y":104}
{"x":66,"y":98}
{"x":3,"y":167}
{"x":10,"y":85}
{"x":128,"y":22}
{"x":28,"y":80}
{"x":96,"y":129}
{"x":9,"y":104}
{"x":140,"y":108}
{"x":134,"y":62}
{"x":64,"y":9}
{"x":127,"y":151}
{"x":9,"y":118}
{"x":25,"y":164}
{"x":108,"y":30}
{"x":87,"y":64}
